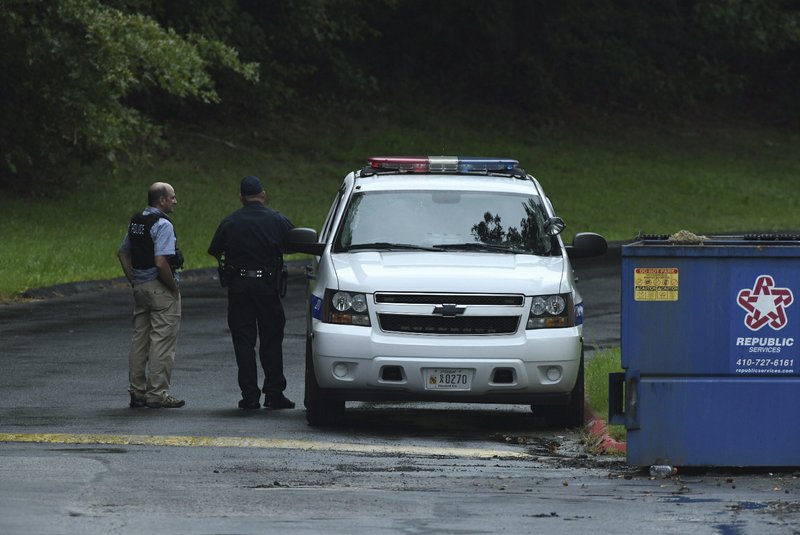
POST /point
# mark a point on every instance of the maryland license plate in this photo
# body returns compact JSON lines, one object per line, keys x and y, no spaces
{"x":448,"y":378}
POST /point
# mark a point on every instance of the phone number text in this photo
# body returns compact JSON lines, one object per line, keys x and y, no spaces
{"x":764,"y":363}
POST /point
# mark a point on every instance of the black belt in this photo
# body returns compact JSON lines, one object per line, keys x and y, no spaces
{"x":254,"y":273}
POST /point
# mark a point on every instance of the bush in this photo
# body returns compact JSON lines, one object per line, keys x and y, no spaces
{"x":71,"y":69}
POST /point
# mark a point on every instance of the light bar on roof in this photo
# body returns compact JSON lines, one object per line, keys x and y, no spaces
{"x":442,"y":164}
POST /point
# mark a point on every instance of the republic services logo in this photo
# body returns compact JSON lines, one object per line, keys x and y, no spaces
{"x":765,"y":304}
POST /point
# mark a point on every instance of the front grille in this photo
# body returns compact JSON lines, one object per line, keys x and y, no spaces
{"x":460,"y":325}
{"x":451,"y":299}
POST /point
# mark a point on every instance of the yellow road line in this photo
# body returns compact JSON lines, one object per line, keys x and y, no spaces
{"x":248,"y":442}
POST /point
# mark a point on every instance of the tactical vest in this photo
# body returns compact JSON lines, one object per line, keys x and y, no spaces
{"x":142,"y":246}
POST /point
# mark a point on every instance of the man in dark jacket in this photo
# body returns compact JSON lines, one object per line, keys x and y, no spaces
{"x":251,"y":242}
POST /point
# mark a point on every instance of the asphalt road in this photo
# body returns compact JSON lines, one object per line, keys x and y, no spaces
{"x":75,"y":458}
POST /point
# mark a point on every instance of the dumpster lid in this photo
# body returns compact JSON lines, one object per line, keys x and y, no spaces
{"x":688,"y":244}
{"x":684,"y":237}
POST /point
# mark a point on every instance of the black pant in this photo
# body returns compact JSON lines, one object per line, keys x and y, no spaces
{"x":255,"y":311}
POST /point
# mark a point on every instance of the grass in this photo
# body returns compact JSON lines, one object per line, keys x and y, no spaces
{"x":597,"y":369}
{"x":615,"y":178}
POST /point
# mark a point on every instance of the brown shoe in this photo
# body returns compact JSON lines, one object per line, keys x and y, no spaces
{"x":168,"y":402}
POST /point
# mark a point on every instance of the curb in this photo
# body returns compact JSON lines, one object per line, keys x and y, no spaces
{"x":296,"y":268}
{"x":596,"y":428}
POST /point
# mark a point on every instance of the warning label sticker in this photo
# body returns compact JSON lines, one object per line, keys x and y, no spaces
{"x":655,"y":284}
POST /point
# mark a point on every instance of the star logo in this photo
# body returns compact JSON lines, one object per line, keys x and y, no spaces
{"x":765,"y":304}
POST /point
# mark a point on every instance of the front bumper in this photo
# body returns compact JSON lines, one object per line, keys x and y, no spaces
{"x":356,"y":363}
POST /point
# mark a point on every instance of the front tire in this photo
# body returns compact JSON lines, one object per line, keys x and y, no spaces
{"x":570,"y":415}
{"x":321,"y":411}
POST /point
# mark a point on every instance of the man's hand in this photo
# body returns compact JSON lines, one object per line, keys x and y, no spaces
{"x":127,"y":266}
{"x":165,"y":273}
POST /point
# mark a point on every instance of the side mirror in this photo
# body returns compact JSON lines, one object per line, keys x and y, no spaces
{"x":303,"y":240}
{"x":554,"y":226}
{"x":586,"y":244}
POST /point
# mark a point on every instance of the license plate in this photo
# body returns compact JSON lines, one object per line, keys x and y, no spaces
{"x":448,"y":378}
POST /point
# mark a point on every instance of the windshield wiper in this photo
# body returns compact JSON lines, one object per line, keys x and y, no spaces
{"x":389,"y":246}
{"x":478,"y":246}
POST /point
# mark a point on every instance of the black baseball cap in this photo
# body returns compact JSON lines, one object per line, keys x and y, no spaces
{"x":251,"y":185}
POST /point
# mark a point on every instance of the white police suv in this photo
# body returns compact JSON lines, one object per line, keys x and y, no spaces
{"x":444,"y":279}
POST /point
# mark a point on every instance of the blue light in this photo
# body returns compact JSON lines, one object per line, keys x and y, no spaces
{"x":474,"y":165}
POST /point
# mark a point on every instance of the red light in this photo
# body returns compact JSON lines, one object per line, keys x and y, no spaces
{"x":401,"y":163}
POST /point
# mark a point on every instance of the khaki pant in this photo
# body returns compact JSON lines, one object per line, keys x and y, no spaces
{"x":156,"y":319}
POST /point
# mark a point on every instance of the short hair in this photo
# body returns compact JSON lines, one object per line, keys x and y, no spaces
{"x":156,"y":191}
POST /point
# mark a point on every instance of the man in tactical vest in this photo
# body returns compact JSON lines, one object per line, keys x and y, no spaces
{"x":251,"y":240}
{"x":150,"y":258}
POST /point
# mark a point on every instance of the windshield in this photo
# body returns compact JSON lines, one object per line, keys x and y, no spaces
{"x":445,"y":220}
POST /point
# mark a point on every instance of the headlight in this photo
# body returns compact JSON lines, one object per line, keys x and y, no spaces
{"x":346,"y":308}
{"x":342,"y":301}
{"x":359,"y":303}
{"x":555,"y":305}
{"x":539,"y":305}
{"x":550,"y":312}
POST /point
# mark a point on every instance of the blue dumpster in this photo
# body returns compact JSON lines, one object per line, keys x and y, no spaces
{"x":711,"y":352}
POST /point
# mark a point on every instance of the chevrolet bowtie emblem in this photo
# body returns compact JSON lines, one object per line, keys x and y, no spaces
{"x":450,"y":311}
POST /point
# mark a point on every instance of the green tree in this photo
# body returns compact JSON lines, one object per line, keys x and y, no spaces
{"x":305,"y":47}
{"x":71,"y":73}
{"x":660,"y":56}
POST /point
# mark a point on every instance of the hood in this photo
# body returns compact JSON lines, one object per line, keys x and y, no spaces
{"x":372,"y":271}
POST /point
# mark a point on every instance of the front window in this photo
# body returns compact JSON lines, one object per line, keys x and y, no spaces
{"x":445,"y":220}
